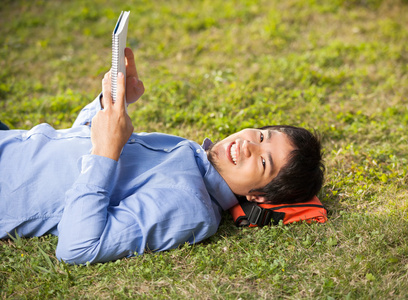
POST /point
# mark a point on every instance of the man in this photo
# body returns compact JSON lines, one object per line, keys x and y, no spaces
{"x":110,"y":193}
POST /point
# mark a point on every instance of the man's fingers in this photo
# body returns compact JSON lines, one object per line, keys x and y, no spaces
{"x":138,"y":88}
{"x":120,"y":91}
{"x":106,"y":91}
{"x":130,"y":64}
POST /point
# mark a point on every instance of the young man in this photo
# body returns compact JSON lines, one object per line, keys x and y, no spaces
{"x":110,"y":193}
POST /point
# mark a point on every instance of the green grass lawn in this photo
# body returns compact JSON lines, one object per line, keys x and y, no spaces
{"x":211,"y":68}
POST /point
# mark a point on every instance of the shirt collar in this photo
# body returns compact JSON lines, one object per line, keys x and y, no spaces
{"x":206,"y":144}
{"x":216,"y":185}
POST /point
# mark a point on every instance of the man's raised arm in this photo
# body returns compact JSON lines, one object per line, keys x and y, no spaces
{"x":86,"y":215}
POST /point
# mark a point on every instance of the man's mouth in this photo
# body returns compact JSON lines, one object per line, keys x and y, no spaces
{"x":233,"y":153}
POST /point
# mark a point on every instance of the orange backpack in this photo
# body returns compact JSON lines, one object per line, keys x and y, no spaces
{"x":252,"y":214}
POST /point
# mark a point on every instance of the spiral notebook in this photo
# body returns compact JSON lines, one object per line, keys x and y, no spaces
{"x":119,"y":36}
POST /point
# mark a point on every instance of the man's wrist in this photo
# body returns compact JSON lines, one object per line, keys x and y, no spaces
{"x":109,"y":153}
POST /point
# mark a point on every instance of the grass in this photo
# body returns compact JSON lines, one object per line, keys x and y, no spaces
{"x":211,"y":68}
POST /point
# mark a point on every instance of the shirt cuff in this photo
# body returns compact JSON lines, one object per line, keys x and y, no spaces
{"x":98,"y":171}
{"x":88,"y":112}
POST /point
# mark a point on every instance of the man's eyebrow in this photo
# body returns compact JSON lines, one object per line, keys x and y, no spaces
{"x":270,"y":164}
{"x":269,"y":135}
{"x":269,"y":154}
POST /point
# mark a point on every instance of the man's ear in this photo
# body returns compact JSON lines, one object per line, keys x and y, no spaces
{"x":256,"y":198}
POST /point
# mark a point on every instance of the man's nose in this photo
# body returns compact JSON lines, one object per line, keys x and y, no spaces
{"x":250,"y":148}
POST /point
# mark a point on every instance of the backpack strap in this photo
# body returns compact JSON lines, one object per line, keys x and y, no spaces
{"x":259,"y":216}
{"x":252,"y":214}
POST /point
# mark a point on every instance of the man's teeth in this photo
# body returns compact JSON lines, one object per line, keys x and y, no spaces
{"x":233,"y":152}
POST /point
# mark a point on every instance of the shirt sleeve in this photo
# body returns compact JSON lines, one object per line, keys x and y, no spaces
{"x":88,"y":112}
{"x":93,"y":231}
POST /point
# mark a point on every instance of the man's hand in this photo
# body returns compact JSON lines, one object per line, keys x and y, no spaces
{"x":111,"y":127}
{"x":134,"y":86}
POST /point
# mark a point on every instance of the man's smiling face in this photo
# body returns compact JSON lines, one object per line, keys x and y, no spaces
{"x":251,"y":158}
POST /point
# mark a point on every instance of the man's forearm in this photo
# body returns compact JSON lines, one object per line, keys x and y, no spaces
{"x":85,"y":213}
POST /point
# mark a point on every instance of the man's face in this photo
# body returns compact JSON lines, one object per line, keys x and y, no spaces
{"x":251,"y":158}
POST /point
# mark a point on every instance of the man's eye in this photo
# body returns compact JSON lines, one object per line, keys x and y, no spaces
{"x":263,"y":163}
{"x":261,"y":137}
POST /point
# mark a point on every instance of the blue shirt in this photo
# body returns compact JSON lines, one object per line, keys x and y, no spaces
{"x":163,"y":191}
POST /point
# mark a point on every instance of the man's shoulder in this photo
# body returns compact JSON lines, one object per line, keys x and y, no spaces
{"x":155,"y":135}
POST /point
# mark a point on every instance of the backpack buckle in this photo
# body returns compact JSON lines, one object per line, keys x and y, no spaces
{"x":262,"y":216}
{"x":259,"y":216}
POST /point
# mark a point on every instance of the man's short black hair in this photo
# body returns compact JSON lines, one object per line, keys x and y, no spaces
{"x":302,"y":176}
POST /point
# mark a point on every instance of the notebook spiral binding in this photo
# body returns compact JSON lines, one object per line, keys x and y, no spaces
{"x":115,"y":62}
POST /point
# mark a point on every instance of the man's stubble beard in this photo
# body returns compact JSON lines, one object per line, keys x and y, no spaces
{"x":213,"y":157}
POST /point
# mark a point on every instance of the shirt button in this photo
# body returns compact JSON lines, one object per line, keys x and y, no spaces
{"x":198,"y":150}
{"x":132,"y":140}
{"x":166,"y":150}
